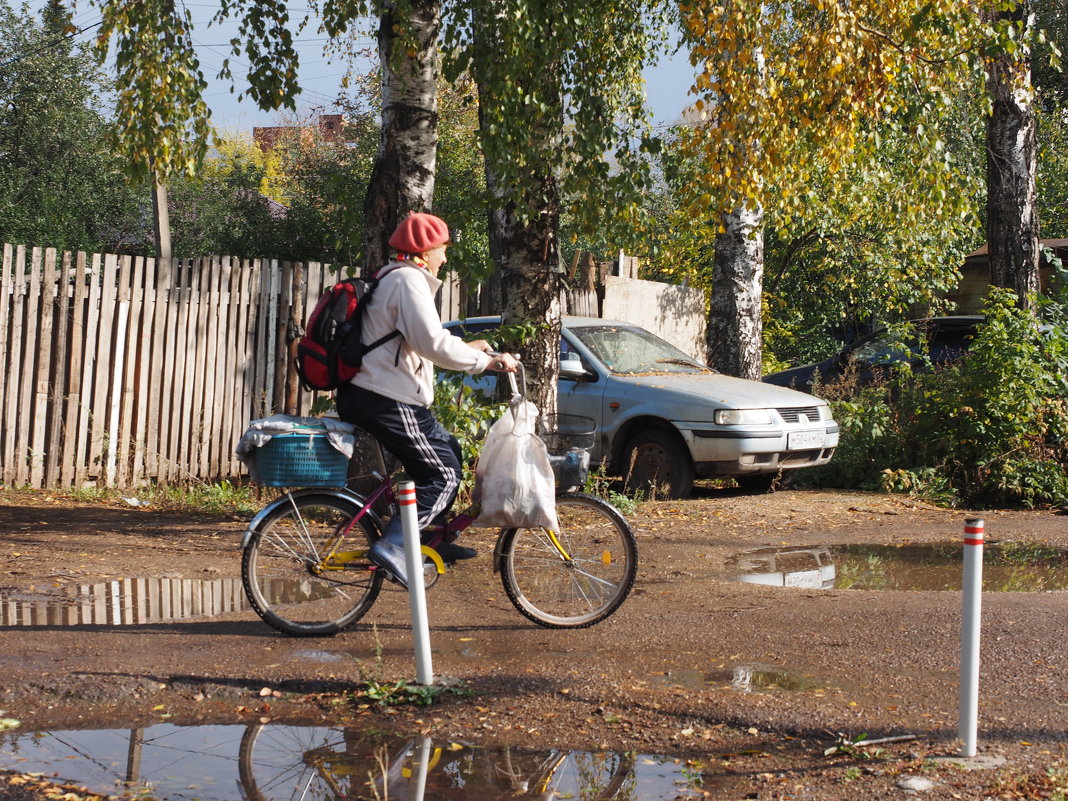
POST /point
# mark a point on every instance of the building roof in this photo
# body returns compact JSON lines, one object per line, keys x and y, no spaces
{"x":330,"y":127}
{"x":1058,"y":246}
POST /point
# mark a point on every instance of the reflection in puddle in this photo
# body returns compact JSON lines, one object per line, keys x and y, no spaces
{"x":273,"y":762}
{"x":1007,"y":567}
{"x":121,"y":602}
{"x":786,"y":567}
{"x":745,"y":678}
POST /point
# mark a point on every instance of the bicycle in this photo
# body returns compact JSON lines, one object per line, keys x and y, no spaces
{"x":305,"y":570}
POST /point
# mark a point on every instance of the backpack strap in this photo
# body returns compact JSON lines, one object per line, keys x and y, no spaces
{"x":352,"y":349}
{"x":378,"y":275}
{"x":371,"y":287}
{"x":381,"y":341}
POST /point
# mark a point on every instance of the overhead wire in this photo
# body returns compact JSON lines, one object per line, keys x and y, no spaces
{"x":307,"y":93}
{"x":227,"y":57}
{"x":321,"y":97}
{"x":49,"y":45}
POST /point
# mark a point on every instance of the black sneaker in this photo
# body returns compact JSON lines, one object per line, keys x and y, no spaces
{"x":451,"y":552}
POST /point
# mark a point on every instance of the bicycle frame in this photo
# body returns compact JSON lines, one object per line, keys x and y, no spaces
{"x":339,"y":560}
{"x":384,"y":492}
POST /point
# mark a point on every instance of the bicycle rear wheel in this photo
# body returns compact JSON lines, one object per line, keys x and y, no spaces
{"x":303,"y":568}
{"x":584,"y":584}
{"x":289,"y":763}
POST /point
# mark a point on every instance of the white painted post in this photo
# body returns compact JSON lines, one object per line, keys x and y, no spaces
{"x":968,"y":722}
{"x":413,"y":557}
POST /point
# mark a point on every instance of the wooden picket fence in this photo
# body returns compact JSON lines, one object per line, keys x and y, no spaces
{"x":120,"y":370}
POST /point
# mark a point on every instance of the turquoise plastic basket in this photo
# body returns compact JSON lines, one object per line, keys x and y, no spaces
{"x":300,"y":460}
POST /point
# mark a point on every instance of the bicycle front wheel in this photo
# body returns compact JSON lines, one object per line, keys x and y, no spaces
{"x":580,"y":578}
{"x":305,"y":569}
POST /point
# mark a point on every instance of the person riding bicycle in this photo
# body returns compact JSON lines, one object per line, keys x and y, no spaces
{"x":390,"y":396}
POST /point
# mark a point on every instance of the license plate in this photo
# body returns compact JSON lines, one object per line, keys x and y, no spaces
{"x":804,"y":440}
{"x":807,"y":579}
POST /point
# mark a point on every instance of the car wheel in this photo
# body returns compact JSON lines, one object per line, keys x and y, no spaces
{"x":657,"y":464}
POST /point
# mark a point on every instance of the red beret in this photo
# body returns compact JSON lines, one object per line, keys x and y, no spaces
{"x":419,"y":233}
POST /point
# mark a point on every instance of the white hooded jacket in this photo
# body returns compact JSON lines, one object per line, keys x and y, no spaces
{"x":403,"y":367}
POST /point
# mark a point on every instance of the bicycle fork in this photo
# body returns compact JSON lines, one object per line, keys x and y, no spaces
{"x":553,"y":540}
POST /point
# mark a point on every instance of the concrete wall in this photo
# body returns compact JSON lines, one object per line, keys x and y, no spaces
{"x":674,"y":313}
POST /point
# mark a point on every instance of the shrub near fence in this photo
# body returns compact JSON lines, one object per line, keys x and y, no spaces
{"x":118,"y":370}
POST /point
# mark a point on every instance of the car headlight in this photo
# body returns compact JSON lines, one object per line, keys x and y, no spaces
{"x":739,"y":417}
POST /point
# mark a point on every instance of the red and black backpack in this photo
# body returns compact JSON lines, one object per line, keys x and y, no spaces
{"x":330,"y":353}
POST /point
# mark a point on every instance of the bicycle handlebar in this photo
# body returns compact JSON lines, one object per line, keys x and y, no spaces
{"x":521,"y":388}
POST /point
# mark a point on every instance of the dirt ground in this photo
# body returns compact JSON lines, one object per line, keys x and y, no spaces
{"x":656,"y":678}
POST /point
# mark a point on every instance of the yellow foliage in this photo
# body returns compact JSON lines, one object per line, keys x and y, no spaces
{"x":786,"y":79}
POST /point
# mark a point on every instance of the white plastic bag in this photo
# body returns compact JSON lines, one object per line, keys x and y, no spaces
{"x":514,"y":482}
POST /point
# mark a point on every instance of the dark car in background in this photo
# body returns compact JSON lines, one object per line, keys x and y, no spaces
{"x":939,"y":340}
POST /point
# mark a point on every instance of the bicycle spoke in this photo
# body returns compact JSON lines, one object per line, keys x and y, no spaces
{"x":281,"y":544}
{"x":284,"y":763}
{"x":598,"y":580}
{"x":303,"y":528}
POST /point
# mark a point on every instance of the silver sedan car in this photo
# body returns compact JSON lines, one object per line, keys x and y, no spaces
{"x":662,"y":419}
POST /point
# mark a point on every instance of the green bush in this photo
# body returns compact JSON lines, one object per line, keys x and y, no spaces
{"x":990,"y":429}
{"x":870,"y":439}
{"x":466,"y":414}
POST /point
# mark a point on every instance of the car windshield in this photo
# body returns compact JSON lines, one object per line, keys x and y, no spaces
{"x":628,"y":350}
{"x":888,"y":347}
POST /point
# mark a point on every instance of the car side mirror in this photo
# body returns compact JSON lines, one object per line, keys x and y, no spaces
{"x":572,"y":369}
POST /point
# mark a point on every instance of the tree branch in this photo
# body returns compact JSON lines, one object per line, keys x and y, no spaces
{"x":900,"y":47}
{"x":792,"y":250}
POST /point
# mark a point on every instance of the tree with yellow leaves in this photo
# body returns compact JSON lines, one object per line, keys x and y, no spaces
{"x":789,"y":88}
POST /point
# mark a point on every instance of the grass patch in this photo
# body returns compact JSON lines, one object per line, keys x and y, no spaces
{"x":222,"y":498}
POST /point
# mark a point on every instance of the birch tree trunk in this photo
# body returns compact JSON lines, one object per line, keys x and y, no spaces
{"x":524,"y":245}
{"x":527,"y":255}
{"x":1012,"y":212}
{"x":735,"y":324}
{"x":403,"y":177}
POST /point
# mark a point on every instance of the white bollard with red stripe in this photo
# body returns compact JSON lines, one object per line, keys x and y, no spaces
{"x":413,"y":557}
{"x":972,"y":589}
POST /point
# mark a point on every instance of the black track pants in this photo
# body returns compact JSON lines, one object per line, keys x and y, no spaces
{"x":430,"y":454}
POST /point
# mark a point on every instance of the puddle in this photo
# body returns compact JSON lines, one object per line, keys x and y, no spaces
{"x":273,"y":762}
{"x":1007,"y":567}
{"x":746,"y":678}
{"x":315,"y":655}
{"x":122,"y":602}
{"x":464,"y":648}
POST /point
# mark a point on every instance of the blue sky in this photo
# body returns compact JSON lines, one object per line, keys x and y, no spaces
{"x":320,"y":78}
